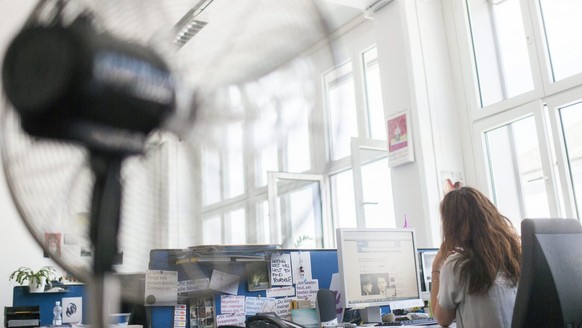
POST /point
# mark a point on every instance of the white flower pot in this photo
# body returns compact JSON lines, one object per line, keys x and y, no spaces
{"x":34,"y":288}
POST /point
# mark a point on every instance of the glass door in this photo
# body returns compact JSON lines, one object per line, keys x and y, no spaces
{"x":372,"y":184}
{"x":298,"y":210}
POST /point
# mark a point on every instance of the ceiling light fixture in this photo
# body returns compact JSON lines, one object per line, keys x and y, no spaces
{"x":188,"y":25}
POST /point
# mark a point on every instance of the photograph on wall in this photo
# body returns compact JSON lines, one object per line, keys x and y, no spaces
{"x":400,"y":150}
{"x":258,"y":276}
{"x":202,"y":312}
{"x":52,"y":244}
{"x":451,"y":180}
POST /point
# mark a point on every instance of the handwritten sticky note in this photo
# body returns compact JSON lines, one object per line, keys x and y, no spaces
{"x":232,"y":304}
{"x":281,"y":274}
{"x":224,"y":282}
{"x":193,"y":285}
{"x":301,"y":264}
{"x":231,"y":319}
{"x":161,"y":288}
{"x":307,"y":290}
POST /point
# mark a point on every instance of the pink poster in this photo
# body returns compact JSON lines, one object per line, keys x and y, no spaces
{"x":397,"y":133}
{"x":400,"y":149}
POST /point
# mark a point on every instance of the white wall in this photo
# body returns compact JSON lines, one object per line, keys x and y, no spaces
{"x":17,"y":247}
{"x":416,"y":75}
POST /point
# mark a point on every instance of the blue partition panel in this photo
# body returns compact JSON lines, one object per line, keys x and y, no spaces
{"x":46,"y":301}
{"x":323,"y":265}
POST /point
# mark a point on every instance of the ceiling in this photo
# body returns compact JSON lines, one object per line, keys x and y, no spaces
{"x":13,"y":14}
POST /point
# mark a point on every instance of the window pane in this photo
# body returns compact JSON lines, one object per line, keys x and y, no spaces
{"x":500,"y":49}
{"x":376,"y":122}
{"x":378,"y":204}
{"x":263,"y":223}
{"x":516,"y":171}
{"x":571,"y":120}
{"x":299,"y":205}
{"x":265,"y":145}
{"x":234,"y":178}
{"x":562,"y":25}
{"x":343,"y":199}
{"x":236,"y":226}
{"x":212,"y":227}
{"x":298,"y":150}
{"x":341,"y":106}
{"x":211,"y":176}
{"x":305,"y":206}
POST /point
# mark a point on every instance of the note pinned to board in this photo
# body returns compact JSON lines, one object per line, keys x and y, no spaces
{"x":224,"y":282}
{"x":161,"y":288}
{"x":231,"y":319}
{"x":254,"y":305}
{"x":283,"y":308}
{"x":281,"y":274}
{"x":307,"y":290}
{"x":335,"y":287}
{"x":301,"y":264}
{"x":193,"y":285}
{"x":281,"y":291}
{"x":72,"y":309}
{"x":232,"y":304}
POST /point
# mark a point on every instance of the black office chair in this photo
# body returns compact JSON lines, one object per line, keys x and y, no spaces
{"x":549,"y":292}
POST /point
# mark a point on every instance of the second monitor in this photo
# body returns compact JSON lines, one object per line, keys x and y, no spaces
{"x":378,"y":267}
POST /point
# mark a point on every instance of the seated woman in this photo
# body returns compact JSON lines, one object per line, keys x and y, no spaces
{"x":475,"y":273}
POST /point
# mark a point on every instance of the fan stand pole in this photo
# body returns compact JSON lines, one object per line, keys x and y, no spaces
{"x":105,"y":217}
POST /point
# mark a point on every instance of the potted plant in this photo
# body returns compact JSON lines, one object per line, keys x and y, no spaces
{"x":36,"y":280}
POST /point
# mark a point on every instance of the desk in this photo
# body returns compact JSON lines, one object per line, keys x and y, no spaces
{"x":454,"y":325}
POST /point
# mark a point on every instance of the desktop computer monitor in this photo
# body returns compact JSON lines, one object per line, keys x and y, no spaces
{"x":378,"y":267}
{"x":425,"y":259}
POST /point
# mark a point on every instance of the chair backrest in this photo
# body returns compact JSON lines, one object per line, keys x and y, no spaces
{"x":549,"y":292}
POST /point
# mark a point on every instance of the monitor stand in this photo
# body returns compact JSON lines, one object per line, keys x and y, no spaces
{"x":371,"y":314}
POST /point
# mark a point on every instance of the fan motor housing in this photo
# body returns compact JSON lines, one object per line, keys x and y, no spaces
{"x":74,"y":83}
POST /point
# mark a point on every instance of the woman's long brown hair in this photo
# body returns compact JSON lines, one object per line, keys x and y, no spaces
{"x":485,"y":240}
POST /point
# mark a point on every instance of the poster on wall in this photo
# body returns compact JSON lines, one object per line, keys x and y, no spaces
{"x":400,"y":148}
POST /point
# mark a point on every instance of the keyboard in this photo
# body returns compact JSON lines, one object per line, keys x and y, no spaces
{"x":390,"y":324}
{"x":418,"y":322}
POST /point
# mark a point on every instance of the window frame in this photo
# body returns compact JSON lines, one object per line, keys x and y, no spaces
{"x":543,"y":102}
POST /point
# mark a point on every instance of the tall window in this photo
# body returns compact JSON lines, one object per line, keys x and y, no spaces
{"x":531,"y":161}
{"x":293,"y":135}
{"x":516,"y":170}
{"x":361,"y":193}
{"x":560,"y":19}
{"x":571,"y":123}
{"x":374,"y":105}
{"x":344,"y":207}
{"x":500,"y":49}
{"x":341,"y":106}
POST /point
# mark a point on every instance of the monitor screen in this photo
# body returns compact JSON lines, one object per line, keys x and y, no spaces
{"x":378,"y":267}
{"x":425,"y":259}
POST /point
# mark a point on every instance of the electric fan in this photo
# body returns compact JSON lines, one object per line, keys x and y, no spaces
{"x":94,"y":91}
